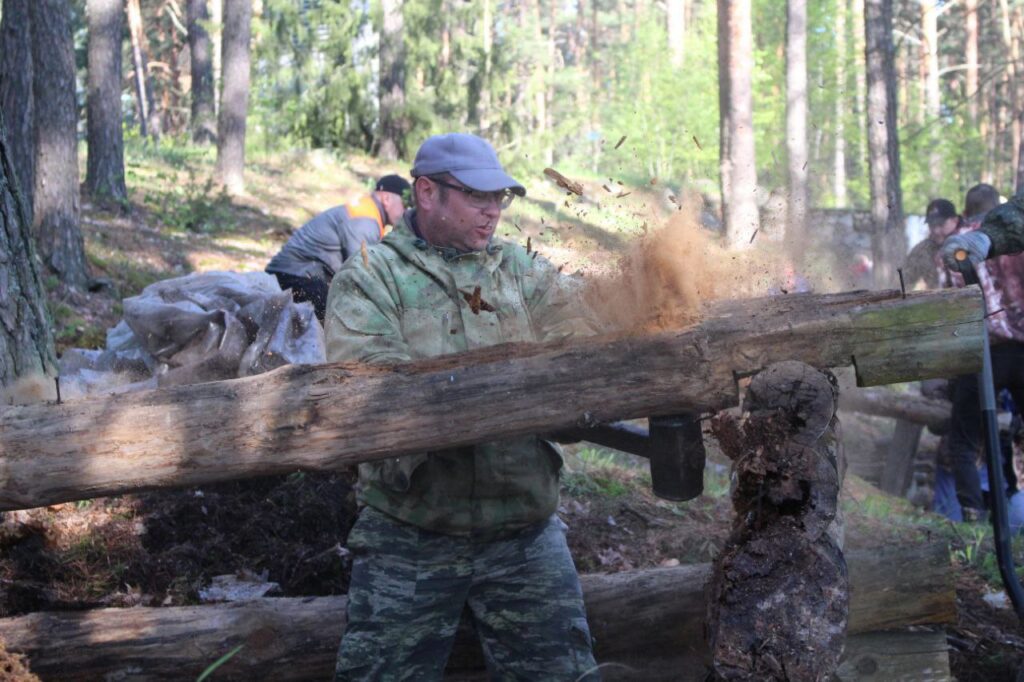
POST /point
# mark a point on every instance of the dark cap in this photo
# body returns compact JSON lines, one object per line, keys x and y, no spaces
{"x":395,"y":184}
{"x":939,"y":211}
{"x":469,"y":159}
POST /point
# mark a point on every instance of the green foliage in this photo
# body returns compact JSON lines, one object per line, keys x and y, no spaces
{"x":195,"y":206}
{"x":313,"y":74}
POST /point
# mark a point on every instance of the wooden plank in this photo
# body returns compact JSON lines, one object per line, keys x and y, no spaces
{"x":637,"y":618}
{"x":330,"y":416}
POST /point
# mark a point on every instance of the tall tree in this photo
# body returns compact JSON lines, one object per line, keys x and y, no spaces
{"x":930,"y":67}
{"x":888,"y":243}
{"x":736,"y":112}
{"x":676,"y":31}
{"x":16,"y":101}
{"x":971,"y":56}
{"x":234,"y":103}
{"x":26,"y":341}
{"x":839,"y":166}
{"x":392,"y":82}
{"x":860,"y":80}
{"x":204,"y":117}
{"x":104,"y":176}
{"x":796,"y":119}
{"x":149,"y":118}
{"x":56,"y":202}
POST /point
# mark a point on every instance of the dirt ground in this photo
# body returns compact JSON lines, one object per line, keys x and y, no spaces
{"x":163,"y":548}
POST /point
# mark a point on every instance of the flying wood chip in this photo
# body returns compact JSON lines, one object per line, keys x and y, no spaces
{"x":476,"y":303}
{"x":564,"y":182}
{"x":621,"y":140}
{"x":366,"y":255}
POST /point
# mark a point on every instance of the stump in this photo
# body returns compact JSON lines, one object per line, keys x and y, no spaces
{"x":778,"y":597}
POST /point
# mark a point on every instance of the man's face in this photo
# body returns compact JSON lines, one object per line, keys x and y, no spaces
{"x":456,"y":219}
{"x":393,"y":205}
{"x":939,"y":230}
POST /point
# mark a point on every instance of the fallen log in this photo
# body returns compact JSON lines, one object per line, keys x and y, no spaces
{"x":883,"y":402}
{"x":637,"y":617}
{"x":329,"y":416}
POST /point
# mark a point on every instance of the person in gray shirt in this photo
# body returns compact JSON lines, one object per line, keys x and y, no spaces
{"x":307,"y":262}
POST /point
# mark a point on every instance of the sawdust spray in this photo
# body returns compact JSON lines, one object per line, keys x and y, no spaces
{"x":665,"y":279}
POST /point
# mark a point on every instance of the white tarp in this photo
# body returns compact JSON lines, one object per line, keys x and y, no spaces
{"x":202,"y":327}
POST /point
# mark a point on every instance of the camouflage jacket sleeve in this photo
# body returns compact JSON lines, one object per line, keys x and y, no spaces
{"x":362,"y":318}
{"x":1004,"y":225}
{"x":555,"y":302}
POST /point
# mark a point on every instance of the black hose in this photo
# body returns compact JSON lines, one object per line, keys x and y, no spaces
{"x":994,"y":464}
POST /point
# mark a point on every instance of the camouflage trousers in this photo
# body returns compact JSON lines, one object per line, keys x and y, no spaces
{"x":409,"y":587}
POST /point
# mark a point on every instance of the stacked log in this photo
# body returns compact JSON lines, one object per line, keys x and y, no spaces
{"x":648,"y":625}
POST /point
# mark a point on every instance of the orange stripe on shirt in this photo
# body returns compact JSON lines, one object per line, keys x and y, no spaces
{"x":366,"y":208}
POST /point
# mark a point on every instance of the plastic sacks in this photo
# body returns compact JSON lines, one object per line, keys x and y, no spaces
{"x":203,"y":327}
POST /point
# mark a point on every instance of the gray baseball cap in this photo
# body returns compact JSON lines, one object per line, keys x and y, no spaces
{"x":469,"y":159}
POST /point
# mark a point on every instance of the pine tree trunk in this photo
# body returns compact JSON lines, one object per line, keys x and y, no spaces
{"x":930,"y":60}
{"x":56,"y":206}
{"x":234,"y":105}
{"x":149,"y":121}
{"x":839,"y":165}
{"x":736,"y":157}
{"x":204,"y":118}
{"x":16,"y":101}
{"x":860,"y":81}
{"x":676,"y":31}
{"x":888,"y":243}
{"x":26,"y":341}
{"x":392,"y":82}
{"x":971,"y":56}
{"x":104,"y":178}
{"x":796,"y":119}
{"x":1018,"y":22}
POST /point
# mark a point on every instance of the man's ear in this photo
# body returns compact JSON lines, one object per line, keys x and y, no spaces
{"x":426,"y":194}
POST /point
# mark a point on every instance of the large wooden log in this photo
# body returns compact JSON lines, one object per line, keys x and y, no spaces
{"x":778,"y":599}
{"x":882,"y":402}
{"x":637,"y":617}
{"x":329,"y":416}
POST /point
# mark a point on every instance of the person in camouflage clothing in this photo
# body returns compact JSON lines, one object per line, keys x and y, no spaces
{"x":992,"y":235}
{"x":470,"y":528}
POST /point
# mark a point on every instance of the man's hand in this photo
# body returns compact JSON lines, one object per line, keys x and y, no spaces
{"x":975,"y":245}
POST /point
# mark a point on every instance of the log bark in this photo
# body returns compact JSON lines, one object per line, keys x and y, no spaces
{"x":637,"y":618}
{"x":320,"y":417}
{"x":882,"y":402}
{"x":778,"y":599}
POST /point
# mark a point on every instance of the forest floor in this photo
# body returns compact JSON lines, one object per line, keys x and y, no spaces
{"x":163,"y":548}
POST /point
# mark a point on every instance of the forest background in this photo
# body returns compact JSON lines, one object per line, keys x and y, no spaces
{"x":851,"y":104}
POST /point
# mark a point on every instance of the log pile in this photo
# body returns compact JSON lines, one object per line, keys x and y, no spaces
{"x":648,"y":625}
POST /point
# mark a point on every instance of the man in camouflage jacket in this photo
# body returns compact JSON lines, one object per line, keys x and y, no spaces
{"x":468,"y":527}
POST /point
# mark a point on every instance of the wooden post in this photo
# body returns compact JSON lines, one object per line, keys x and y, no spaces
{"x":778,"y":600}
